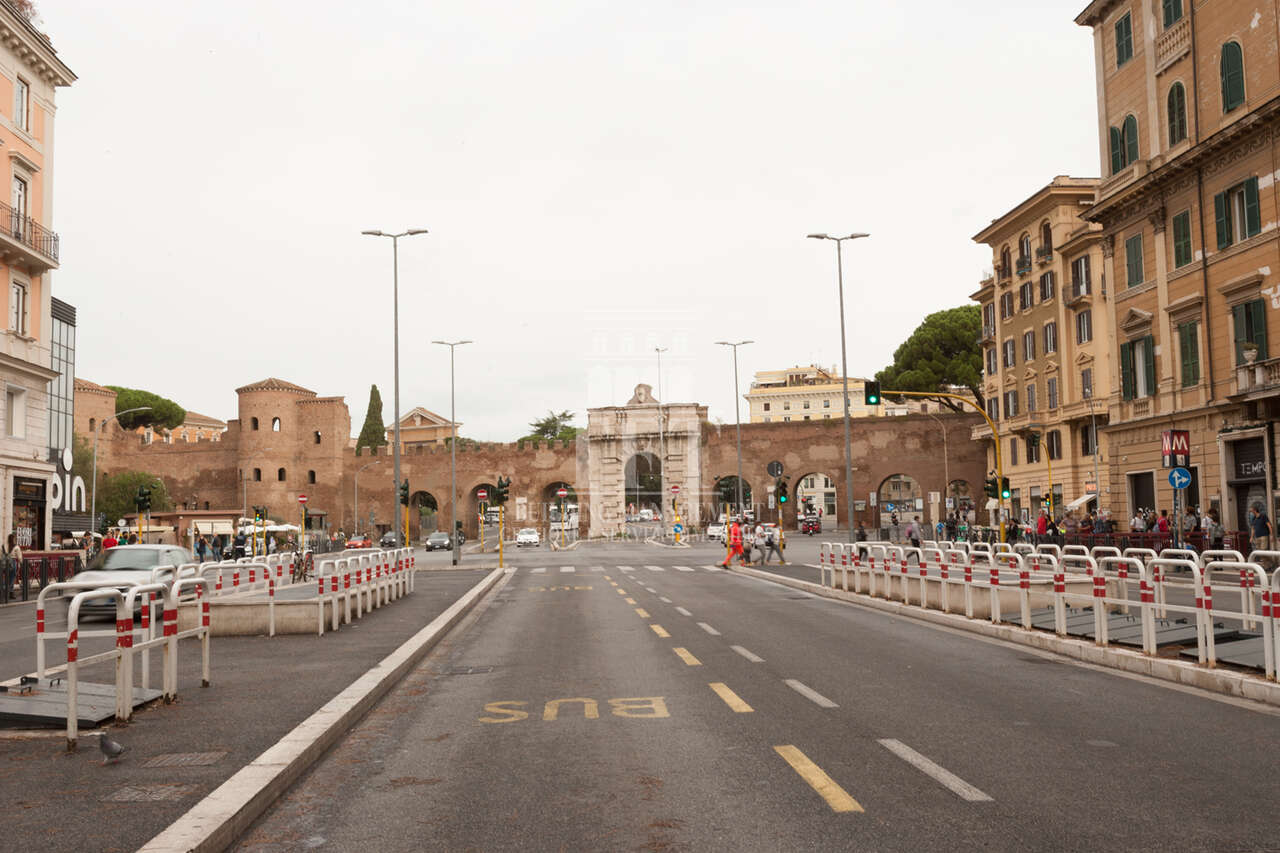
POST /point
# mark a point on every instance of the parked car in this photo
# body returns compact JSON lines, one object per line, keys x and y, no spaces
{"x":438,"y":541}
{"x":810,"y":525}
{"x":716,"y":531}
{"x":359,"y":540}
{"x":388,"y":540}
{"x":130,"y":565}
{"x":528,"y":536}
{"x":646,"y":515}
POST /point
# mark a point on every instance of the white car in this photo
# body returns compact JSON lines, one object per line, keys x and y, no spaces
{"x":130,"y":565}
{"x":528,"y":536}
{"x":716,"y":531}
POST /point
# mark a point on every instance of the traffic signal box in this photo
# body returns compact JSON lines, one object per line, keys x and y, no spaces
{"x":991,"y":488}
{"x":404,"y":493}
{"x":501,"y":490}
{"x":143,"y":500}
{"x":871,"y":393}
{"x":1004,"y":488}
{"x":780,"y":485}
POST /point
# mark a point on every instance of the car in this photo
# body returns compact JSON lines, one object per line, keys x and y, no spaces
{"x":750,"y":516}
{"x":810,"y":525}
{"x":646,"y":515}
{"x":528,"y":536}
{"x":388,"y":540}
{"x":359,"y":540}
{"x":438,"y":541}
{"x":130,"y":565}
{"x":716,"y":531}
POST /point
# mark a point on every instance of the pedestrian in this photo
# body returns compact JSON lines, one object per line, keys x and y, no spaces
{"x":913,"y":532}
{"x":951,"y":526}
{"x":1162,"y":523}
{"x":13,"y":557}
{"x":1215,"y":530}
{"x":860,"y":535}
{"x":1042,"y":524}
{"x":202,"y":548}
{"x":1260,"y":533}
{"x":110,"y":540}
{"x":758,"y":540}
{"x":133,"y":539}
{"x":735,"y":544}
{"x":772,"y":541}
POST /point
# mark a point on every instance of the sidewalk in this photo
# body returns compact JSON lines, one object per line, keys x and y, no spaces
{"x":261,"y":688}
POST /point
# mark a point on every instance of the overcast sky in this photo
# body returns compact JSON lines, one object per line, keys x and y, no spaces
{"x":599,"y":178}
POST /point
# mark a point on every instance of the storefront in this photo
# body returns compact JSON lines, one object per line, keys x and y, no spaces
{"x":1246,"y":477}
{"x":29,"y":506}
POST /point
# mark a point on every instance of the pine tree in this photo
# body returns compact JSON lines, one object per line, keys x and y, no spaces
{"x":373,"y":434}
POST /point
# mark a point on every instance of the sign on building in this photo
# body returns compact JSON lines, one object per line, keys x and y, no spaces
{"x":1175,"y":448}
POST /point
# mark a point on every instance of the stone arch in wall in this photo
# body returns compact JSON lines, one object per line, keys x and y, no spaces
{"x":899,"y":494}
{"x":824,"y":488}
{"x":424,"y":515}
{"x":643,"y":482}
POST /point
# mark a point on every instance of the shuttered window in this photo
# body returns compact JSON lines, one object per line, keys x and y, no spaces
{"x":1138,"y":368}
{"x":1176,"y":106}
{"x":1133,"y":257}
{"x":1124,"y":40}
{"x":1129,"y":130}
{"x":1117,"y":151}
{"x":1236,"y":213}
{"x":1250,"y":326}
{"x":1182,"y":239}
{"x":1172,"y":12}
{"x":1232,"y":68}
{"x":1189,"y":353}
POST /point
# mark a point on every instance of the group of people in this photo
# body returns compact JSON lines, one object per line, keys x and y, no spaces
{"x":742,"y":541}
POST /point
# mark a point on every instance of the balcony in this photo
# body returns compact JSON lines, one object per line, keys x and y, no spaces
{"x":1260,"y":379}
{"x":27,"y":242}
{"x":1044,"y":255}
{"x":1076,"y":292}
{"x":1173,"y":44}
{"x":1024,"y":266}
{"x":988,"y":335}
{"x":1003,"y":273}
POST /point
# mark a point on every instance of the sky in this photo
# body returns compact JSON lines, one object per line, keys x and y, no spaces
{"x":597,"y":178}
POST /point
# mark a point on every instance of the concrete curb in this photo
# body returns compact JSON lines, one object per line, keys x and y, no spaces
{"x":215,"y":822}
{"x":1227,"y":682}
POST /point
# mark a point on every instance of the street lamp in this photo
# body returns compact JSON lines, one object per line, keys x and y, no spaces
{"x":844,"y":368}
{"x":355,"y":501}
{"x":662,"y":441}
{"x":93,"y":504}
{"x":453,"y":453}
{"x":737,"y":417}
{"x":395,"y":325}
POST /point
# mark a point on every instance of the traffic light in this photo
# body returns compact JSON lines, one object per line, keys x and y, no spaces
{"x":500,"y":491}
{"x":992,"y":488}
{"x":143,"y":500}
{"x":1004,"y":488}
{"x":871,"y":393}
{"x":404,"y":492}
{"x":673,"y":502}
{"x":781,"y":486}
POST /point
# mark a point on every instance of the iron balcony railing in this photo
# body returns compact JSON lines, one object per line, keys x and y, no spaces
{"x":1024,"y":266}
{"x":28,"y":232}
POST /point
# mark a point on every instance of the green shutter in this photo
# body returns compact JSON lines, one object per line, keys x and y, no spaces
{"x":1222,"y":220}
{"x":1133,"y":256}
{"x":1258,"y":326}
{"x":1182,"y":239}
{"x":1239,"y":327}
{"x":1117,"y":151}
{"x":1232,"y":70}
{"x":1129,"y":130}
{"x":1126,"y":371}
{"x":1176,"y":106}
{"x":1189,"y":353}
{"x":1172,"y":12}
{"x":1149,"y":366}
{"x":1252,"y":217}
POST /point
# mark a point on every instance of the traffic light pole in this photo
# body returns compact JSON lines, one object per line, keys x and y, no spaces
{"x":995,"y":438}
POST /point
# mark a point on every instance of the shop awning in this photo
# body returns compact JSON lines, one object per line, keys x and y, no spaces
{"x":213,"y":528}
{"x":1080,"y":501}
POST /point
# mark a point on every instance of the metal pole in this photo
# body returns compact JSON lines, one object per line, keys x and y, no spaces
{"x":1097,"y":484}
{"x":395,"y":321}
{"x":737,"y":417}
{"x":844,"y":369}
{"x":453,"y":463}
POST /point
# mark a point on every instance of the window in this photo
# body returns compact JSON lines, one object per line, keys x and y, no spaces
{"x":806,"y":404}
{"x":1024,"y":247}
{"x":1051,"y":385}
{"x":992,"y":361}
{"x":1006,"y":267}
{"x":1033,"y":448}
{"x":257,"y":475}
{"x":1010,"y":404}
{"x":1172,"y":12}
{"x":1129,"y":135}
{"x":1010,"y":353}
{"x":1189,"y":353}
{"x":826,"y":404}
{"x":1236,"y":213}
{"x":786,"y":419}
{"x":1006,"y":306}
{"x":1250,"y":324}
{"x":1047,"y":286}
{"x":1086,"y":383}
{"x":993,"y":408}
{"x":1046,"y":240}
{"x":787,"y":406}
{"x":253,"y":423}
{"x":768,"y":419}
{"x":275,"y":424}
{"x":1084,"y":326}
{"x":1013,"y":451}
{"x":1176,"y":107}
{"x":15,"y":412}
{"x":92,"y":424}
{"x":989,"y":316}
{"x":1138,"y":368}
{"x":1088,"y":441}
{"x":1124,"y":40}
{"x":1026,"y":296}
{"x":318,"y":431}
{"x":1051,"y":337}
{"x":1031,"y":397}
{"x":1133,"y":257}
{"x":1182,"y":239}
{"x":22,"y":104}
{"x":1028,"y":346}
{"x":1232,"y":76}
{"x":1081,"y":279}
{"x":280,"y":474}
{"x":18,"y":308}
{"x":826,"y":417}
{"x":1053,"y":443}
{"x":766,"y":407}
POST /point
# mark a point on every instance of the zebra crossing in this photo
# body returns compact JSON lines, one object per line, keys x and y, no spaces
{"x":542,"y":570}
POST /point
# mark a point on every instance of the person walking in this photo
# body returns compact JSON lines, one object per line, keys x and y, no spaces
{"x":1261,"y":533}
{"x":770,"y":545}
{"x":13,"y":557}
{"x":202,"y":548}
{"x":913,"y":532}
{"x":1215,"y":531}
{"x":735,"y":544}
{"x":110,"y":540}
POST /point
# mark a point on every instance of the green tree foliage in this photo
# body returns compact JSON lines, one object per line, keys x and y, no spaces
{"x":116,"y":494}
{"x":554,"y":427}
{"x":164,"y":414}
{"x":373,"y":434}
{"x":942,"y":351}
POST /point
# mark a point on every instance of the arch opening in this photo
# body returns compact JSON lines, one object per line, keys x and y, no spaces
{"x":643,"y":490}
{"x":899,"y":500}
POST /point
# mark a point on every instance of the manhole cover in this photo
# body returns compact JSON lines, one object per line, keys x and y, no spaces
{"x":149,"y":793}
{"x":468,"y":670}
{"x":185,"y":759}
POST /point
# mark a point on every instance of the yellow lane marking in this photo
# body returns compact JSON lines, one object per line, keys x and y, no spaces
{"x":606,"y":577}
{"x":836,"y":797}
{"x":621,"y":591}
{"x":684,"y":655}
{"x":733,"y":700}
{"x":660,"y":631}
{"x":630,"y":600}
{"x":641,"y":612}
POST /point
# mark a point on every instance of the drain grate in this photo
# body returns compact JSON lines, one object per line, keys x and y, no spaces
{"x":149,"y":793}
{"x":468,"y":670}
{"x":185,"y":759}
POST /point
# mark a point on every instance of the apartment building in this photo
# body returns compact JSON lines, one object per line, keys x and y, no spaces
{"x":812,"y":393}
{"x":1046,"y":333}
{"x":1188,"y":113}
{"x":30,"y":73}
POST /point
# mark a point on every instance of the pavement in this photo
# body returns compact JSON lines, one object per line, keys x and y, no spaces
{"x":261,"y":689}
{"x":626,"y":696}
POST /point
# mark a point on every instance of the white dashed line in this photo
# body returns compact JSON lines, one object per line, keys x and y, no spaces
{"x":683,"y":612}
{"x":540,"y":570}
{"x":682,"y":568}
{"x":597,"y":568}
{"x":664,"y":599}
{"x":749,"y":655}
{"x":714,"y":568}
{"x":655,"y":568}
{"x":939,"y":774}
{"x":567,"y":569}
{"x":712,"y":631}
{"x":626,"y":568}
{"x":809,"y":693}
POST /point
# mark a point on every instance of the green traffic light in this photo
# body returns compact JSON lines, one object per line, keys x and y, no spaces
{"x":783,"y":499}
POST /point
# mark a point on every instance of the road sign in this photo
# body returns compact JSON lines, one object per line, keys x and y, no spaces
{"x":482,"y":494}
{"x":371,"y":517}
{"x":1175,"y":447}
{"x":302,"y":499}
{"x":874,"y":495}
{"x":951,"y":502}
{"x":679,"y":528}
{"x":770,"y":500}
{"x":1179,"y":478}
{"x":675,"y":490}
{"x":774,"y":468}
{"x":562,"y":492}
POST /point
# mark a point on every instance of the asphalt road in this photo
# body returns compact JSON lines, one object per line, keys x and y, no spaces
{"x":619,"y":707}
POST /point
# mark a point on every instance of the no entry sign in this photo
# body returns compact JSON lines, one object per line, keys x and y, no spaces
{"x":675,"y":490}
{"x":562,"y":492}
{"x":302,"y":499}
{"x":482,"y":494}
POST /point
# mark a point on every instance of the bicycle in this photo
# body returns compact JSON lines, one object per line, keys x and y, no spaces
{"x":303,"y":568}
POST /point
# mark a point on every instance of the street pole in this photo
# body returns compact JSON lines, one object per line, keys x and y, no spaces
{"x":93,"y":505}
{"x":395,"y":322}
{"x":737,"y":411}
{"x":946,"y":466}
{"x":1097,"y":484}
{"x":844,"y":369}
{"x":453,"y":455}
{"x":662,"y":444}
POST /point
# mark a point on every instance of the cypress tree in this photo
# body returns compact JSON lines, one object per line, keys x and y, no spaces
{"x":373,"y":433}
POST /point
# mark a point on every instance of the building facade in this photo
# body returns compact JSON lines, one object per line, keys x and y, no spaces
{"x":1046,"y":344}
{"x":1188,"y":129}
{"x":421,"y":427}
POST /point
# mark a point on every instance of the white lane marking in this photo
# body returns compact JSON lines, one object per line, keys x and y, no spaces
{"x":749,"y":655}
{"x":714,"y":568}
{"x":682,"y":568}
{"x":809,"y":693}
{"x":655,"y":568}
{"x":664,"y":599}
{"x":683,"y":612}
{"x":540,"y":570}
{"x":626,"y":568}
{"x":712,"y":631}
{"x":567,"y":569}
{"x":939,"y":774}
{"x":597,"y":568}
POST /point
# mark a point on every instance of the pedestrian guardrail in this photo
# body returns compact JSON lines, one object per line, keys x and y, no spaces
{"x":349,"y":586}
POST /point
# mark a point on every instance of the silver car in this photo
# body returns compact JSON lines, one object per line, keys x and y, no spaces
{"x":130,"y":565}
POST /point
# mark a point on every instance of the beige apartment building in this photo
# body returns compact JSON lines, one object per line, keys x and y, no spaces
{"x":421,"y":427}
{"x":1046,"y":333}
{"x":812,"y":393}
{"x":1188,"y":115}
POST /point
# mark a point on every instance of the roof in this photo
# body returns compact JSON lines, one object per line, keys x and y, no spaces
{"x":430,"y":417}
{"x":92,"y":387}
{"x":273,"y":384}
{"x":1061,"y":185}
{"x":195,"y":418}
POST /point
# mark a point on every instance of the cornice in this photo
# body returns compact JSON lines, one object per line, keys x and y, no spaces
{"x":33,"y":48}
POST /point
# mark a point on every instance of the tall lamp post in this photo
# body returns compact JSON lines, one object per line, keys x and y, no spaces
{"x":946,"y":466}
{"x":395,"y":325}
{"x":662,"y":441}
{"x":355,"y":500}
{"x":93,"y":503}
{"x":737,"y":416}
{"x":453,"y":452}
{"x":844,"y":369}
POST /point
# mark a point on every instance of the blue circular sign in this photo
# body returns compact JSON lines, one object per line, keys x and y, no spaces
{"x":1179,"y":478}
{"x":679,"y":528}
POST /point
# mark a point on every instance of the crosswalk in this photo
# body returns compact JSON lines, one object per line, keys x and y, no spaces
{"x":542,"y":570}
